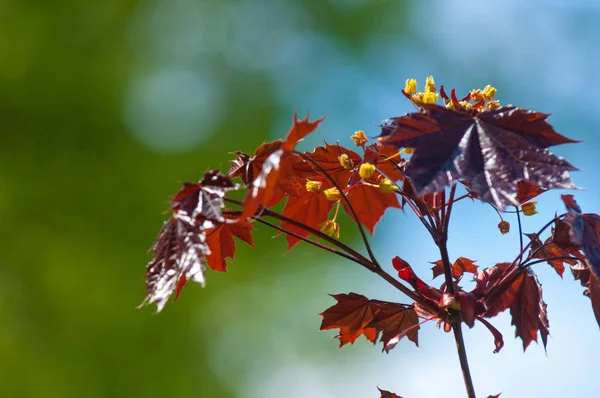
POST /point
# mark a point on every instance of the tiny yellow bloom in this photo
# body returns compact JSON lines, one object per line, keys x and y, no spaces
{"x":476,"y":95}
{"x":366,"y":170}
{"x":489,"y":92}
{"x":387,"y":186}
{"x":408,"y":150}
{"x":529,"y":208}
{"x":430,"y":85}
{"x":359,"y":138}
{"x":492,"y":105}
{"x":331,"y":228}
{"x":465,"y":104}
{"x":314,"y":186}
{"x":429,"y":98}
{"x":332,"y":194}
{"x":345,"y":161}
{"x":410,"y":87}
{"x":504,"y":227}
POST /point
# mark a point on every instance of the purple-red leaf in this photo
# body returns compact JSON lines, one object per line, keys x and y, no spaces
{"x":493,"y":150}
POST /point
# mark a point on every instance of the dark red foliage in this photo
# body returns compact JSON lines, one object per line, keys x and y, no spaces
{"x":493,"y":150}
{"x":387,"y":394}
{"x":499,"y":154}
{"x":355,"y":315}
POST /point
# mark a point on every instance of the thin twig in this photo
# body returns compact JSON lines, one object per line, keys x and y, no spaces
{"x":347,"y":201}
{"x":312,"y":242}
{"x":520,"y":234}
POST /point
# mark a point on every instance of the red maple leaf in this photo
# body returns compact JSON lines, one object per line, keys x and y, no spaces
{"x":460,"y":266}
{"x":581,"y":272}
{"x":181,"y":248}
{"x":328,"y":157}
{"x":493,"y":150}
{"x":355,"y":315}
{"x":370,"y":203}
{"x":578,"y":229}
{"x":265,"y":189}
{"x":309,"y":208}
{"x":221,"y":244}
{"x":549,"y":251}
{"x":524,"y":299}
{"x":387,"y":159}
{"x":387,"y":394}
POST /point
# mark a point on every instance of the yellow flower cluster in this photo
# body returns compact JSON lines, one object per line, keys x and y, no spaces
{"x":429,"y":96}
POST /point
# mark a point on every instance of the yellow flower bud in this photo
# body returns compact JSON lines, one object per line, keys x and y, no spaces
{"x":429,"y":98}
{"x":314,"y":186}
{"x":345,"y":161}
{"x":476,"y":95}
{"x":489,"y":92}
{"x":359,"y":138}
{"x":387,"y":186}
{"x":408,"y":150}
{"x":332,"y":194}
{"x":504,"y":227}
{"x":430,"y":86}
{"x":529,"y":209}
{"x":331,"y":228}
{"x":410,"y":87}
{"x":492,"y":105}
{"x":366,"y":170}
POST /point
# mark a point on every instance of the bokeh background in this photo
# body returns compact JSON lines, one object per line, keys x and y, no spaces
{"x":105,"y":106}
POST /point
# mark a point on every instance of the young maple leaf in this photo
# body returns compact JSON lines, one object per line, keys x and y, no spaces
{"x":221,"y":244}
{"x":309,"y":208}
{"x":178,"y":254}
{"x":550,"y":250}
{"x":181,"y":246}
{"x":582,"y":273}
{"x":460,"y":266}
{"x":355,"y":315}
{"x":328,"y":157}
{"x":265,"y":188}
{"x":370,"y":204}
{"x":387,"y":394}
{"x":524,"y":299}
{"x":578,"y":229}
{"x":493,"y":150}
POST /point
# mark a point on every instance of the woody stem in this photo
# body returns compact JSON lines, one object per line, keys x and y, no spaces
{"x":455,"y":319}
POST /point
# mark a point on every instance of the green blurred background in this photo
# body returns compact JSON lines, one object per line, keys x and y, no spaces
{"x":105,"y":106}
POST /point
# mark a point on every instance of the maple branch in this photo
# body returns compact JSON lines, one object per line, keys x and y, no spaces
{"x":520,"y":234}
{"x":347,"y":201}
{"x":312,"y":242}
{"x":510,"y":274}
{"x":396,"y":283}
{"x":362,"y":259}
{"x":464,"y":362}
{"x":543,"y":260}
{"x":454,"y":314}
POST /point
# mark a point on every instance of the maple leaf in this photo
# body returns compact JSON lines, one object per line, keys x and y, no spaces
{"x":181,"y":247}
{"x":493,"y":150}
{"x":387,"y":159}
{"x":524,"y":299}
{"x":266,"y":187}
{"x":582,"y":230}
{"x":221,"y":244}
{"x":179,"y":252}
{"x":202,"y":202}
{"x":310,"y":209}
{"x":581,"y":272}
{"x":328,"y":157}
{"x":549,"y":251}
{"x":460,"y":266}
{"x":370,"y":203}
{"x":387,"y":394}
{"x":355,"y":315}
